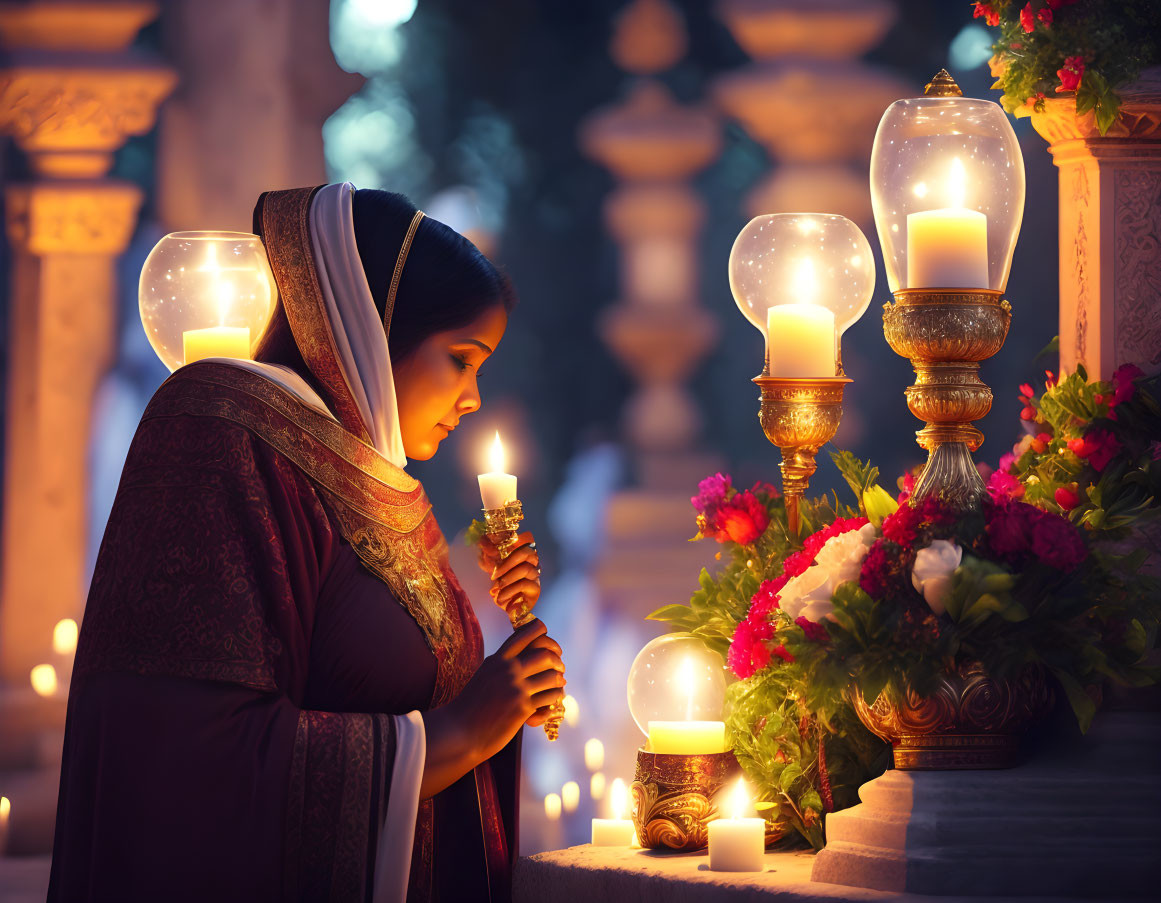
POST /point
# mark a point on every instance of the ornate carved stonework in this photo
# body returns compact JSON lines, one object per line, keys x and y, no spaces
{"x":64,"y":218}
{"x":1139,"y":117}
{"x":1137,"y":276}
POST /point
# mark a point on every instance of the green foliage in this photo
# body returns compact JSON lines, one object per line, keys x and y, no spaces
{"x":475,"y":532}
{"x":1116,"y":39}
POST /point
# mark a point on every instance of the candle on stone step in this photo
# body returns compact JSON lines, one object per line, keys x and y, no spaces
{"x":737,"y":844}
{"x":948,"y":247}
{"x":497,"y":488}
{"x":618,"y":830}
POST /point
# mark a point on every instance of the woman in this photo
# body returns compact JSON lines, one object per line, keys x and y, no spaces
{"x":280,"y":690}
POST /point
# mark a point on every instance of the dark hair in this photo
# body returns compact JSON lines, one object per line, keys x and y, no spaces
{"x":446,"y":282}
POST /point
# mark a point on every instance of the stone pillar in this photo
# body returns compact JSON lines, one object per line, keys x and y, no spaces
{"x":1110,"y":230}
{"x":808,"y":99}
{"x":258,"y":79}
{"x":70,"y":95}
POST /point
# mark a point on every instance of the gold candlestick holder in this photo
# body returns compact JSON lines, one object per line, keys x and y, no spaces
{"x":502,"y":526}
{"x":945,"y":333}
{"x":673,"y":797}
{"x":799,"y":416}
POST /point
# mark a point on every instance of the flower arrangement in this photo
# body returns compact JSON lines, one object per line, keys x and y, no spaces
{"x":1085,"y":48}
{"x":885,"y":595}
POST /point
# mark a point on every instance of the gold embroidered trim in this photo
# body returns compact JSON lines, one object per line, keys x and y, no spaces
{"x":389,"y":307}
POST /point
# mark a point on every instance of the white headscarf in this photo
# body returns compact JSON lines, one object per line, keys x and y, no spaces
{"x":354,"y":321}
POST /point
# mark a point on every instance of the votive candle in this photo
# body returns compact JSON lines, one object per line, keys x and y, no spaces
{"x":801,"y":341}
{"x":737,"y":844}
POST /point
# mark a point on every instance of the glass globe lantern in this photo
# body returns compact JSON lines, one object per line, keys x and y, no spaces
{"x":676,"y":678}
{"x":204,"y":295}
{"x":796,"y":277}
{"x":947,"y":190}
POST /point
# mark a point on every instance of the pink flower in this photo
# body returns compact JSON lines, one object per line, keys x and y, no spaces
{"x":874,"y":577}
{"x":1098,"y":447}
{"x":1018,"y":530}
{"x":743,"y":518}
{"x":1003,"y":487}
{"x":766,"y":599}
{"x":1071,"y":73}
{"x":814,"y":630}
{"x":1007,"y":462}
{"x":1027,"y":18}
{"x":748,"y":651}
{"x":711,"y":492}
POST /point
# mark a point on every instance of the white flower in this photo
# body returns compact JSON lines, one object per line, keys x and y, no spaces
{"x":932,"y":572}
{"x":809,"y":594}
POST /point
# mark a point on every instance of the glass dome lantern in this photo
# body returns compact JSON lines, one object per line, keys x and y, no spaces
{"x":947,"y":190}
{"x":205,"y":294}
{"x":797,"y":265}
{"x":676,"y":678}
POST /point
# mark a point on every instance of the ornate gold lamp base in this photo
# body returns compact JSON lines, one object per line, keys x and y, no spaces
{"x":968,"y":720}
{"x":799,"y":416}
{"x":946,"y":333}
{"x":673,"y":797}
{"x":503,"y":528}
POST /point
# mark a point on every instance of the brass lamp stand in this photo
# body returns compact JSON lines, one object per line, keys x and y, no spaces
{"x":799,"y":416}
{"x":503,"y":528}
{"x":946,"y":333}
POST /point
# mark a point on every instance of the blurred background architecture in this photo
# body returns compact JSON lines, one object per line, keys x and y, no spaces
{"x":604,"y":153}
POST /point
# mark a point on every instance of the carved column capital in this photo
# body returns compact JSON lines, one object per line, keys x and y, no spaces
{"x":71,"y":217}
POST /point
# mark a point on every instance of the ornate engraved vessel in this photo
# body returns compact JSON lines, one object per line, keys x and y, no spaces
{"x":799,"y":416}
{"x":969,"y":721}
{"x":673,"y":797}
{"x":946,"y":333}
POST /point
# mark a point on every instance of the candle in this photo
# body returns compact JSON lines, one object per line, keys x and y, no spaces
{"x":571,"y":711}
{"x":64,"y":637}
{"x":948,"y":247}
{"x":594,"y":754}
{"x":597,"y":785}
{"x":570,"y":796}
{"x":552,"y":806}
{"x":497,"y":488}
{"x":216,"y":341}
{"x":801,"y":336}
{"x":618,"y":830}
{"x":44,"y":680}
{"x":737,"y":844}
{"x":5,"y":812}
{"x":687,"y":738}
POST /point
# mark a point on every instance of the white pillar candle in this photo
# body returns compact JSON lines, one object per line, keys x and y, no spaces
{"x":570,"y":796}
{"x":497,"y":488}
{"x":594,"y":754}
{"x":687,"y":738}
{"x":217,"y":341}
{"x":947,"y":248}
{"x":801,"y":341}
{"x":737,"y":844}
{"x":618,"y":830}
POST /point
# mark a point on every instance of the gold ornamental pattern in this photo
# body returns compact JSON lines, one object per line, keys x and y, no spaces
{"x":673,"y":797}
{"x":968,"y":720}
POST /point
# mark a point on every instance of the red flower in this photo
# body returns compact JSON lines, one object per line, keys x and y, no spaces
{"x":1071,"y":74}
{"x":902,"y":526}
{"x":782,"y":652}
{"x":1027,"y":18}
{"x":1045,"y":16}
{"x":984,"y":10}
{"x":1124,"y":383}
{"x":1050,"y":379}
{"x":1040,"y":443}
{"x":1098,"y":447}
{"x":1018,"y":530}
{"x":1067,"y":496}
{"x":769,"y":490}
{"x":748,"y":651}
{"x":743,"y":518}
{"x":814,"y":630}
{"x":1026,"y":392}
{"x":766,"y":599}
{"x":1056,"y":542}
{"x":875,"y":574}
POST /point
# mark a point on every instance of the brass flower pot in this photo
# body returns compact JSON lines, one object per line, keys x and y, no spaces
{"x":970,"y":720}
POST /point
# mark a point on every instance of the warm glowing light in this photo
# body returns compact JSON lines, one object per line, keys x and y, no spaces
{"x":920,"y":190}
{"x":570,"y":796}
{"x":496,"y":458}
{"x":44,"y":680}
{"x":597,"y":786}
{"x":594,"y":754}
{"x":739,"y":800}
{"x":64,"y":637}
{"x":5,"y":810}
{"x":571,"y":711}
{"x":618,"y":798}
{"x":805,"y":281}
{"x":957,"y":184}
{"x":552,"y":806}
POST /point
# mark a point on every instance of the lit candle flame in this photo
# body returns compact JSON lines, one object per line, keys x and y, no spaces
{"x":594,"y":754}
{"x":957,"y":184}
{"x":739,"y":800}
{"x":497,"y":459}
{"x":685,"y":680}
{"x":43,"y":679}
{"x":552,"y":806}
{"x":570,"y":796}
{"x":5,"y":810}
{"x":571,"y":711}
{"x":64,"y":637}
{"x":805,"y":282}
{"x":597,"y":785}
{"x":618,"y":798}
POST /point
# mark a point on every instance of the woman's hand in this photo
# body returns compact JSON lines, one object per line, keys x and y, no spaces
{"x":515,"y":577}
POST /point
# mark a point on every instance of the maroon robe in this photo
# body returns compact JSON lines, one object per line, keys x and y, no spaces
{"x":268,"y":593}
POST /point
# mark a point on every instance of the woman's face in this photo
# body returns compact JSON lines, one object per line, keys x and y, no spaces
{"x":435,"y":385}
